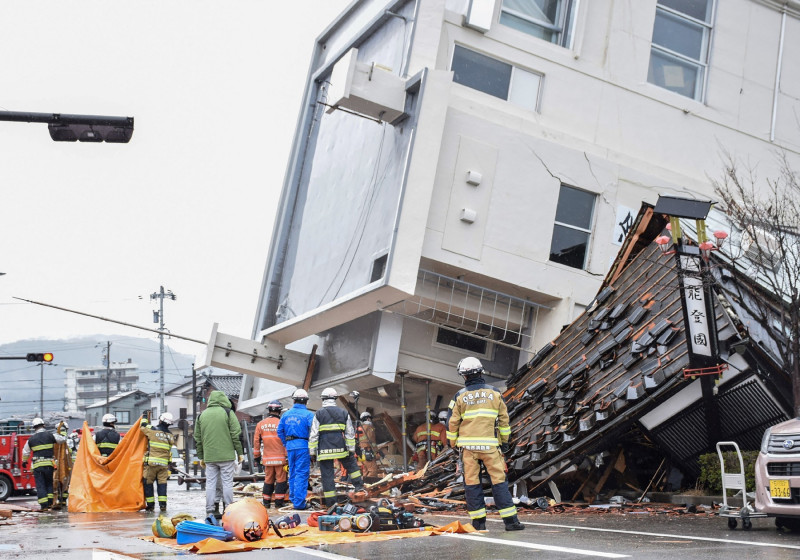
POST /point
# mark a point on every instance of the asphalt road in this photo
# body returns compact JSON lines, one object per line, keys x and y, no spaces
{"x":56,"y":536}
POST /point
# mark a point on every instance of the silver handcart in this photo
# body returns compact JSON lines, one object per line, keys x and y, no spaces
{"x":735,"y":481}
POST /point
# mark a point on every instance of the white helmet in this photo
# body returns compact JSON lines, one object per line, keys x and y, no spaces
{"x":109,"y":419}
{"x":365,"y":416}
{"x":329,"y":393}
{"x":300,"y":395}
{"x":37,"y":422}
{"x":443,"y":415}
{"x":469,"y":367}
{"x":166,"y":418}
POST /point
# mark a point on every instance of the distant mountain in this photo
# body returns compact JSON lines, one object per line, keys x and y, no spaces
{"x":20,"y":380}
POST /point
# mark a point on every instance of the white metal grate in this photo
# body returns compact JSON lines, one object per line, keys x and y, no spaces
{"x":472,"y":310}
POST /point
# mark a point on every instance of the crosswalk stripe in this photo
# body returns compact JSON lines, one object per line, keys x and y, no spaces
{"x":535,"y":546}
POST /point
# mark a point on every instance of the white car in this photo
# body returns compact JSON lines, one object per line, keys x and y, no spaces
{"x":177,"y":459}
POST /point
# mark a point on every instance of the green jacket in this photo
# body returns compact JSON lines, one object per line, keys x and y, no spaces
{"x":217,"y":431}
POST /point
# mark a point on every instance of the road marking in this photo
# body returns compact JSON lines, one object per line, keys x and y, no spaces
{"x":535,"y":546}
{"x":322,"y":553}
{"x":662,"y":535}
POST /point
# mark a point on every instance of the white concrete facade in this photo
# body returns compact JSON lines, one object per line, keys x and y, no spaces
{"x":467,"y":185}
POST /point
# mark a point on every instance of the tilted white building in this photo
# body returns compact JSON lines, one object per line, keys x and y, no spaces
{"x":463,"y":173}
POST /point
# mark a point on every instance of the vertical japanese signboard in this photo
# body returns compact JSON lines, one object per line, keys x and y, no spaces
{"x":698,"y":326}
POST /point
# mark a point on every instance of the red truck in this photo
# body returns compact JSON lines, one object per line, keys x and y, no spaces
{"x":14,"y":479}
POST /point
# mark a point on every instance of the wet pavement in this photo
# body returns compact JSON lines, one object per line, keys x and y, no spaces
{"x":61,"y":535}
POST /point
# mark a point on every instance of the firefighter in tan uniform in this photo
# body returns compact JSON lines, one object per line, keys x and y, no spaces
{"x":475,"y":410}
{"x":438,"y":435}
{"x":157,"y":460}
{"x":268,"y":446}
{"x":365,"y":433}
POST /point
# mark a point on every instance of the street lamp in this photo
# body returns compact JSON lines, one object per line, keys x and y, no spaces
{"x":72,"y":128}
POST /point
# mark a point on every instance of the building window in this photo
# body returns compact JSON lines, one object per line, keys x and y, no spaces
{"x":123,"y":416}
{"x":551,"y":20}
{"x":679,"y":51}
{"x":573,"y":227}
{"x":496,"y":78}
{"x":453,"y":339}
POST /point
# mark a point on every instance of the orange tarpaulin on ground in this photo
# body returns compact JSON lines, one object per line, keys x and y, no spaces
{"x":308,"y":536}
{"x":112,"y":483}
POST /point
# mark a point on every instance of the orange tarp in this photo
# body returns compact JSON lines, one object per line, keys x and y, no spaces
{"x":112,"y":483}
{"x":308,"y":536}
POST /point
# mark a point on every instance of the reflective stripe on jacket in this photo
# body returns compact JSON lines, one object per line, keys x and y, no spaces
{"x":159,"y":445}
{"x":107,"y":440}
{"x":475,"y":411}
{"x":267,"y":443}
{"x":332,"y":434}
{"x":41,"y":445}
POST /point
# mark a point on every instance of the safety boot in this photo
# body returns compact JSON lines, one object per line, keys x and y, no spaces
{"x":479,"y":524}
{"x":267,"y":503}
{"x":513,"y":524}
{"x":279,"y":503}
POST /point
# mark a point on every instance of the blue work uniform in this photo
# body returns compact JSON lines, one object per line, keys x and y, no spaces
{"x":293,"y":430}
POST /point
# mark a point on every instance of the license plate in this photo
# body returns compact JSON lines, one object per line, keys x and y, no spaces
{"x":779,"y":489}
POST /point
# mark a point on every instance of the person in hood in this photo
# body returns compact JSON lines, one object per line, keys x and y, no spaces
{"x":216,"y":436}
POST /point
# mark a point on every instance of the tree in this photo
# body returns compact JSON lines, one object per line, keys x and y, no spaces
{"x":765,"y":244}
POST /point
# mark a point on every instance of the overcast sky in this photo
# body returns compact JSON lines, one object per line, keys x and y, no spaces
{"x":189,"y":203}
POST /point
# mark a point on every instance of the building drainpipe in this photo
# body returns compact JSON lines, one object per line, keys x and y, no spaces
{"x":777,"y":77}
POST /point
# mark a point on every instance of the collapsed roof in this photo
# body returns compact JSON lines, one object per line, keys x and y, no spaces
{"x":625,"y":365}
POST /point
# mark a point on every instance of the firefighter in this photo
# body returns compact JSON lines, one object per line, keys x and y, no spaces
{"x":41,"y":445}
{"x":293,"y":430}
{"x":333,"y":437}
{"x":473,"y":413}
{"x":273,"y":456}
{"x":157,"y":459}
{"x":444,"y":416}
{"x":438,"y":435}
{"x":107,"y":439}
{"x":366,"y":443}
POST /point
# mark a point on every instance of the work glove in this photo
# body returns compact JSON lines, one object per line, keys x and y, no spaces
{"x":286,"y":468}
{"x":241,"y":458}
{"x":505,"y":448}
{"x":24,"y":464}
{"x":202,"y":464}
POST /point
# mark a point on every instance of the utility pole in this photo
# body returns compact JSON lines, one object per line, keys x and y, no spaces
{"x":41,"y":389}
{"x":108,"y":374}
{"x":158,"y":317}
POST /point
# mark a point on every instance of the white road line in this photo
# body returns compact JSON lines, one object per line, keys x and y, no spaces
{"x":665,"y":535}
{"x":535,"y":546}
{"x":321,"y":553}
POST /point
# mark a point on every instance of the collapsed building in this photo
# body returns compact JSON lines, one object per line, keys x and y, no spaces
{"x":461,"y":178}
{"x":620,"y":389}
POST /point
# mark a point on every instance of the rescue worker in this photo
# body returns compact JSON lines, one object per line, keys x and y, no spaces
{"x":365,"y":432}
{"x":41,"y":445}
{"x":273,"y":456}
{"x":157,"y":459}
{"x":107,"y":439}
{"x":333,"y":437}
{"x":473,"y":413}
{"x":438,"y":434}
{"x":294,"y":429}
{"x":444,"y":416}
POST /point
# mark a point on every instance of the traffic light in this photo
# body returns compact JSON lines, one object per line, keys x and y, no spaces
{"x":39,"y":357}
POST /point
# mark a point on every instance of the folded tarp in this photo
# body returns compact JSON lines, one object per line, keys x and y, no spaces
{"x":112,"y":483}
{"x":308,"y":536}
